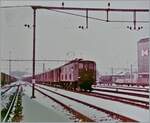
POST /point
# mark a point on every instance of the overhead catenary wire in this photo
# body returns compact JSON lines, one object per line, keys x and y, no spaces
{"x":94,"y":18}
{"x":79,"y":15}
{"x":38,"y":60}
{"x":60,"y":10}
{"x":16,"y":6}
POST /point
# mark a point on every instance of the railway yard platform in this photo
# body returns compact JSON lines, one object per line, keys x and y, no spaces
{"x":59,"y":105}
{"x":33,"y":111}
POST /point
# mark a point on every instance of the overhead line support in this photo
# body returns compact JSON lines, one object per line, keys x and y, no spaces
{"x":91,"y":9}
{"x":87,"y":19}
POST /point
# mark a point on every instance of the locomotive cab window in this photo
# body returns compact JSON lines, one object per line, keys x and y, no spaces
{"x":86,"y":66}
{"x":80,"y":66}
{"x":91,"y":66}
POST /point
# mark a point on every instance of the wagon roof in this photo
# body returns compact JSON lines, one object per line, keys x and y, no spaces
{"x":72,"y":61}
{"x":78,"y":61}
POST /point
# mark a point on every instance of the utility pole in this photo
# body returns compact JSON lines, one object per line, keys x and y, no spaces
{"x":33,"y":60}
{"x":112,"y":73}
{"x":86,"y":19}
{"x":9,"y":67}
{"x":131,"y":73}
{"x":107,"y":15}
{"x":43,"y":71}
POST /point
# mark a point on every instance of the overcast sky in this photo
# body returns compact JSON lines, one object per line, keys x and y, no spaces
{"x":58,"y":35}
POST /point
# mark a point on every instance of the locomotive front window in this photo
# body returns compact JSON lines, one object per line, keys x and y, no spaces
{"x":80,"y":66}
{"x":85,"y":66}
{"x":91,"y":66}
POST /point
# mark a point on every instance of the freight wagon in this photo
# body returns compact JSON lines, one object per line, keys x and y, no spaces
{"x":6,"y":79}
{"x":74,"y":75}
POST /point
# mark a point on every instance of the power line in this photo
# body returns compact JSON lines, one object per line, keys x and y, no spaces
{"x":57,"y":9}
{"x":38,"y":60}
{"x":91,"y":9}
{"x":107,"y":10}
{"x":69,"y":13}
{"x":15,"y":6}
{"x":99,"y":19}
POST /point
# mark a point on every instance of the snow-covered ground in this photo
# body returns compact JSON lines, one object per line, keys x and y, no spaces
{"x":5,"y":97}
{"x":56,"y":112}
{"x":34,"y":111}
{"x":94,"y":114}
{"x":132,"y":112}
{"x":3,"y":90}
{"x":8,"y":85}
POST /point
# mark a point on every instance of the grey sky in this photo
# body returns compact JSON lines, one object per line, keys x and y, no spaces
{"x":109,"y":44}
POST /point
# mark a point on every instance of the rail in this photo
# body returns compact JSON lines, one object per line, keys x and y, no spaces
{"x":112,"y":114}
{"x":11,"y":105}
{"x":121,"y":92}
{"x":2,"y":93}
{"x":135,"y":102}
{"x":74,"y":112}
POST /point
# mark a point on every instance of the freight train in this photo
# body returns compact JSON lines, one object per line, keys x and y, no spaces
{"x":7,"y":79}
{"x":77,"y":74}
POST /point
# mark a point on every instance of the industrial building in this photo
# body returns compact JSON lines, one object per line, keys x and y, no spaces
{"x":143,"y":60}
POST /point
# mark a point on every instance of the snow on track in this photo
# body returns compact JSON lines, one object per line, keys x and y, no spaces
{"x":123,"y":95}
{"x":5,"y":97}
{"x":124,"y":87}
{"x":46,"y":105}
{"x":132,"y":112}
{"x":94,"y":114}
{"x":120,"y":90}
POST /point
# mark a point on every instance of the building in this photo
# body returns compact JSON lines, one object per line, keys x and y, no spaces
{"x":143,"y":60}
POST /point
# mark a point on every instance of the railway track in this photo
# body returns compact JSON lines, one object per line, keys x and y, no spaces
{"x":2,"y":93}
{"x":6,"y":118}
{"x":126,"y":88}
{"x":135,"y":102}
{"x":122,"y":92}
{"x":74,"y":112}
{"x":112,"y":114}
{"x":140,"y":103}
